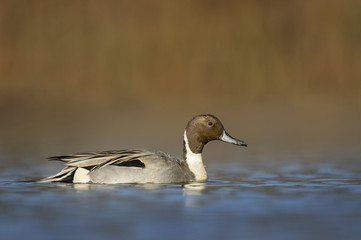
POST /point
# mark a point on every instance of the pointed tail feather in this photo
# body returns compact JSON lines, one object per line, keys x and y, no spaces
{"x":66,"y":175}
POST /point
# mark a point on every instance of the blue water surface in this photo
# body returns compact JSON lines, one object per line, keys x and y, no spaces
{"x":295,"y":201}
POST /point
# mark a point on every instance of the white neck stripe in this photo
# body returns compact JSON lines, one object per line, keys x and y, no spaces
{"x":195,"y":162}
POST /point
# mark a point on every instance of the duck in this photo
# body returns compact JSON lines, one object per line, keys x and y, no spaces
{"x":144,"y":166}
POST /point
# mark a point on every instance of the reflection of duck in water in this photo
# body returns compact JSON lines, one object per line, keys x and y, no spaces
{"x":142,"y":166}
{"x":194,"y":189}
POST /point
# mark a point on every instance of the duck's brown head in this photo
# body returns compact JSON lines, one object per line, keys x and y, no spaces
{"x":205,"y":128}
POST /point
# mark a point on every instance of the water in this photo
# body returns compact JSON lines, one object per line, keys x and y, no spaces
{"x":291,"y":201}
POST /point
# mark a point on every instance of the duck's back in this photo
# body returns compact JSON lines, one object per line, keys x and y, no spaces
{"x":123,"y":166}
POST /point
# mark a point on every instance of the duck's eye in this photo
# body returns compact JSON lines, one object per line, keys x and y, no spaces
{"x":210,"y":124}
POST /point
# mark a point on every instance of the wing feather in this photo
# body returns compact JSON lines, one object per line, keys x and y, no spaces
{"x":96,"y":160}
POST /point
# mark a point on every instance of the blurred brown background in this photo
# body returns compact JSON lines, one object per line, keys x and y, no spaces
{"x":93,"y":75}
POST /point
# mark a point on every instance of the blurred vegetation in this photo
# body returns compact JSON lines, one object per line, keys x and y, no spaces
{"x":80,"y":75}
{"x":109,"y":52}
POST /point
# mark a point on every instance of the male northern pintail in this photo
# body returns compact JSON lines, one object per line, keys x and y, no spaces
{"x":142,"y":166}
